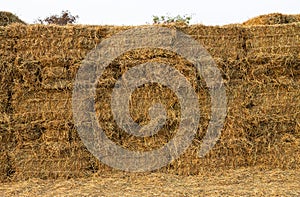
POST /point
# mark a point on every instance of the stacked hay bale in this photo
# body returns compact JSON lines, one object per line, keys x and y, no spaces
{"x":273,"y":19}
{"x":262,"y":125}
{"x":44,"y":69}
{"x":7,"y":140}
{"x":7,"y":18}
{"x":274,"y":55}
{"x":260,"y":67}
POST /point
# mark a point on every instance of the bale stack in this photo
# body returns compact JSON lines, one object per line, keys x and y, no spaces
{"x":47,"y":58}
{"x":262,"y":124}
{"x":7,"y":18}
{"x":259,"y":67}
{"x":273,"y":19}
{"x":7,"y":140}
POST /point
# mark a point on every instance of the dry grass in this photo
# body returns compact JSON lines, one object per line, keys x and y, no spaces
{"x":241,"y":182}
{"x":7,"y":18}
{"x":273,"y":19}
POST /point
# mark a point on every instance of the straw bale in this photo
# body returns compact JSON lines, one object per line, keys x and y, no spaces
{"x":6,"y":81}
{"x":267,"y":43}
{"x":37,"y":41}
{"x":6,"y":166}
{"x":7,"y":18}
{"x":52,"y":160}
{"x":45,"y":131}
{"x":6,"y":69}
{"x":284,"y":70}
{"x":260,"y":66}
{"x":271,"y":142}
{"x":142,"y":99}
{"x":4,"y":97}
{"x":238,"y":153}
{"x":273,"y":19}
{"x":40,"y":41}
{"x":61,"y":133}
{"x":226,"y":43}
{"x":54,"y":73}
{"x":7,"y":136}
{"x":261,"y":129}
{"x":33,"y":106}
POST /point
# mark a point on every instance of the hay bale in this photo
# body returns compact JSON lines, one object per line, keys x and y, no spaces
{"x":54,"y":73}
{"x":52,"y":160}
{"x":41,"y":105}
{"x":76,"y":41}
{"x":6,"y":69}
{"x":7,"y":141}
{"x":6,"y":166}
{"x":225,"y":43}
{"x":7,"y":18}
{"x":273,"y":19}
{"x":260,"y":66}
{"x":273,"y":43}
{"x":35,"y":42}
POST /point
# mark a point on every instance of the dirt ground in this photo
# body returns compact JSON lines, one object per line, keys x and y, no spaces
{"x":241,"y":182}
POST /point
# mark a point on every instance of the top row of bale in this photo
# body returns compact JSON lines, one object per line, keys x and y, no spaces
{"x":7,"y":18}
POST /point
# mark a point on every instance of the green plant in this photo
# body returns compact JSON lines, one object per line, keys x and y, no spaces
{"x":185,"y":19}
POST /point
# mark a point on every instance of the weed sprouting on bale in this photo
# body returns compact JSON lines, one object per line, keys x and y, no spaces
{"x":185,"y":19}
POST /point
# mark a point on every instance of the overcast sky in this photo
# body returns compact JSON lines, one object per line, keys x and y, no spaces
{"x":138,"y":12}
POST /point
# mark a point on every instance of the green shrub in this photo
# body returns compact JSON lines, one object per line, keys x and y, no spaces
{"x":169,"y":19}
{"x":65,"y":18}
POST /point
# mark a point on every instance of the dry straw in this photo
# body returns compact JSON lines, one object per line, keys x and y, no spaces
{"x":273,"y":19}
{"x":7,"y":18}
{"x":260,"y":66}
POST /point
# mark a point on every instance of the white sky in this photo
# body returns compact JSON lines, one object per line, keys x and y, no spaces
{"x":138,"y":12}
